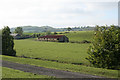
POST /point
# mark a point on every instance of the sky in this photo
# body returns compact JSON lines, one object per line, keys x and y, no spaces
{"x":58,"y":13}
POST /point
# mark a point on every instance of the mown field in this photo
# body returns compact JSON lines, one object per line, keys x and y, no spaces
{"x":63,"y":52}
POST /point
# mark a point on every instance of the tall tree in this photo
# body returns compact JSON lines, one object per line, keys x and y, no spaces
{"x":105,"y":51}
{"x":19,"y":30}
{"x":7,"y":42}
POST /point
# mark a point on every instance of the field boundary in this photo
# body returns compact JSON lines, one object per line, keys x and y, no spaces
{"x":50,"y":60}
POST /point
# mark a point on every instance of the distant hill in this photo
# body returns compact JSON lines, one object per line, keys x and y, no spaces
{"x":36,"y":29}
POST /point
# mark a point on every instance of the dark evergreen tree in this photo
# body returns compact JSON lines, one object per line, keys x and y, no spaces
{"x":7,"y":42}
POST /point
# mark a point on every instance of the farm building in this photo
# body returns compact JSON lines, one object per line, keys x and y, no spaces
{"x":16,"y":36}
{"x":54,"y":38}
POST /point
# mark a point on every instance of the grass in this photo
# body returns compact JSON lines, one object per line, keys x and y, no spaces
{"x":63,"y":52}
{"x":12,"y":73}
{"x":63,"y":66}
{"x":80,"y":35}
{"x":74,"y":35}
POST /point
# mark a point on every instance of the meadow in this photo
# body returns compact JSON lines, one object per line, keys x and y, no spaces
{"x":62,"y":52}
{"x":80,"y":35}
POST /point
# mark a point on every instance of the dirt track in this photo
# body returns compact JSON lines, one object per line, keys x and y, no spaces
{"x":46,"y":71}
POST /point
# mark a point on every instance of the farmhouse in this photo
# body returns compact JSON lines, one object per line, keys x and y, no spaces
{"x":54,"y":38}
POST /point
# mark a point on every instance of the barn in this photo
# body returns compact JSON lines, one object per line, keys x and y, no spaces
{"x":54,"y":38}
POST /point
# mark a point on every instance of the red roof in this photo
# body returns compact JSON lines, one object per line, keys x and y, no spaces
{"x":51,"y":36}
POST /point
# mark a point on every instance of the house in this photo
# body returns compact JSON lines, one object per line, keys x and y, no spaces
{"x":54,"y":38}
{"x":16,"y":36}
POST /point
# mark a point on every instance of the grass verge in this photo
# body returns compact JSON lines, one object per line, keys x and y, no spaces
{"x":12,"y":73}
{"x":62,"y":66}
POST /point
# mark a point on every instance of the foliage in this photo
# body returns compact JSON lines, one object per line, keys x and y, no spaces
{"x":69,"y":28}
{"x":19,"y":30}
{"x":7,"y":42}
{"x":48,"y":33}
{"x":105,"y":52}
{"x":36,"y":35}
{"x":55,"y":32}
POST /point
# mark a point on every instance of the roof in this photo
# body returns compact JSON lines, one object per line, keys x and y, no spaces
{"x":51,"y":36}
{"x":14,"y":34}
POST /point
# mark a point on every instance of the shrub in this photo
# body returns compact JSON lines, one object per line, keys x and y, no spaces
{"x":105,"y":51}
{"x":55,"y":33}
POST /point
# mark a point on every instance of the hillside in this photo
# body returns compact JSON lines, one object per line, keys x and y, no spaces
{"x":36,"y":29}
{"x":80,"y":35}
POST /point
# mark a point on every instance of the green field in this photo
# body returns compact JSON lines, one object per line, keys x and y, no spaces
{"x":63,"y":52}
{"x":80,"y":35}
{"x":12,"y":73}
{"x":74,"y":35}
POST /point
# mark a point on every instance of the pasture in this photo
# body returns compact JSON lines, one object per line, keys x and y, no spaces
{"x":80,"y":35}
{"x":73,"y":35}
{"x":62,"y":52}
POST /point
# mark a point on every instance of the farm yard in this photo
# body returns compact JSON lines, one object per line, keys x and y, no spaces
{"x":62,"y":56}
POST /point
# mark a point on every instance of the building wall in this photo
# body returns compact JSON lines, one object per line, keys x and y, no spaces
{"x":61,"y":39}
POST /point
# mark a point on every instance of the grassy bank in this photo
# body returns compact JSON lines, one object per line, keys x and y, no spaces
{"x":12,"y":73}
{"x":63,"y":66}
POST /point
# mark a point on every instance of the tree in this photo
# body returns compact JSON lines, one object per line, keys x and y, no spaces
{"x":105,"y":51}
{"x":7,"y":42}
{"x":19,"y":30}
{"x":55,"y":32}
{"x":69,"y":28}
{"x":48,"y":33}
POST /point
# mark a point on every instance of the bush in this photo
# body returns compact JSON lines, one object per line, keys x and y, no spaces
{"x":105,"y":51}
{"x":55,"y":33}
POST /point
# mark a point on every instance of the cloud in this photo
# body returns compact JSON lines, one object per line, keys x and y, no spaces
{"x":57,"y":12}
